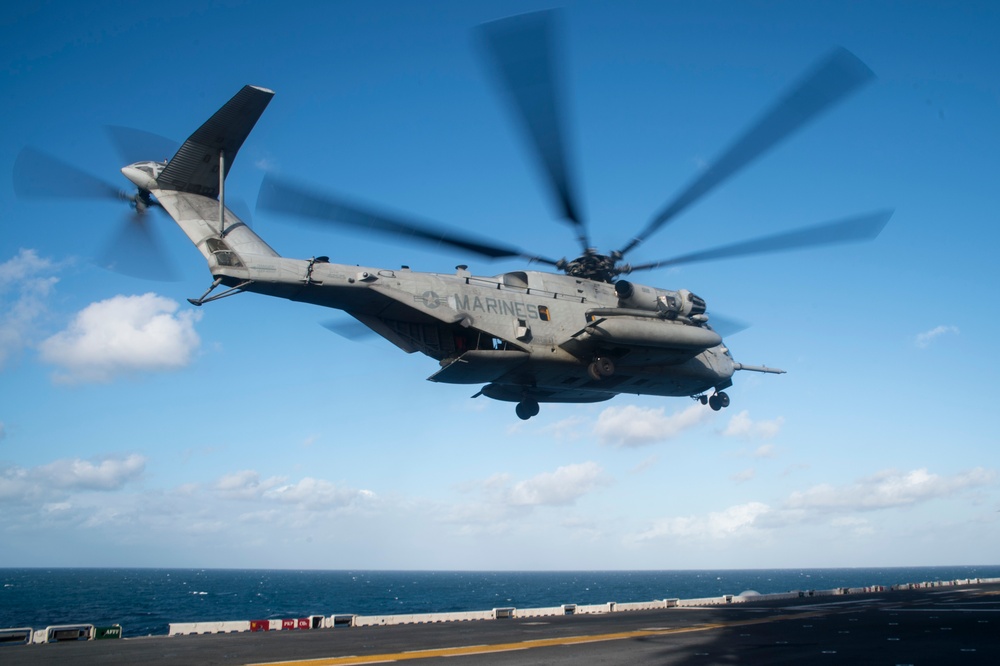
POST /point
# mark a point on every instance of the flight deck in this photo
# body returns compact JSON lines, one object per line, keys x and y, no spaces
{"x":953,"y":624}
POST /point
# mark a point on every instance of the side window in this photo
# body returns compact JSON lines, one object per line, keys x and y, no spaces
{"x":543,"y":312}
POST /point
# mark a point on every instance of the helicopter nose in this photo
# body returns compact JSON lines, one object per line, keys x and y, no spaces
{"x":139,"y":176}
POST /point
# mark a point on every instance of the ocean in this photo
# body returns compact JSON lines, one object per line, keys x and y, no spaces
{"x":146,"y":601}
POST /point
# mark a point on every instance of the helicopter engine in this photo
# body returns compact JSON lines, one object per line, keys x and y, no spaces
{"x":670,"y":304}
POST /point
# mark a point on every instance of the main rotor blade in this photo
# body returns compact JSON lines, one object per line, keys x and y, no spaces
{"x":352,"y":329}
{"x":850,"y":230}
{"x":521,"y":51}
{"x":241,"y":209}
{"x":135,"y":145}
{"x":726,"y":326}
{"x":834,"y":79}
{"x":282,"y":197}
{"x":38,"y":175}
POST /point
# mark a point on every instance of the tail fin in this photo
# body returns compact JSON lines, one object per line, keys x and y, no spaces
{"x":195,"y":167}
{"x":188,"y":186}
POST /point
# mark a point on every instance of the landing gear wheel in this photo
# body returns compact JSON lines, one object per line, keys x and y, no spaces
{"x":526,"y":409}
{"x":718,"y":400}
{"x":703,"y":399}
{"x":600,"y":368}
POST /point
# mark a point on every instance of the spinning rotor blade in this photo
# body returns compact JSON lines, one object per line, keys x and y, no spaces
{"x":135,"y":145}
{"x":726,"y":326}
{"x":351,"y":329}
{"x":38,"y":175}
{"x":850,"y":230}
{"x":241,"y":209}
{"x":135,"y":252}
{"x":283,"y":197}
{"x":520,"y":48}
{"x":833,"y":80}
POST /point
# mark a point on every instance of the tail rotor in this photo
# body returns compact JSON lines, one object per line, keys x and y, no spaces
{"x":134,"y":249}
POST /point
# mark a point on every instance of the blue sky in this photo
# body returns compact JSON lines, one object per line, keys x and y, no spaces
{"x":136,"y":430}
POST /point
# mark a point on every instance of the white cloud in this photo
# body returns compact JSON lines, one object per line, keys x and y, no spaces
{"x":887,"y":489}
{"x":637,"y":426}
{"x":825,"y":504}
{"x":730,"y":522}
{"x":744,"y":475}
{"x":315,"y":494}
{"x":644,"y":465}
{"x":765,"y":451}
{"x":561,"y":487}
{"x":14,"y":484}
{"x":740,"y":425}
{"x":565,"y":429}
{"x":26,"y":265}
{"x":923,"y":340}
{"x":26,"y":281}
{"x":502,"y":505}
{"x":122,"y":335}
{"x":308,"y":494}
{"x":854,"y":525}
{"x":245,"y":485}
{"x":108,"y":473}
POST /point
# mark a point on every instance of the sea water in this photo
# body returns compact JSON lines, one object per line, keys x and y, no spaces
{"x":146,"y":601}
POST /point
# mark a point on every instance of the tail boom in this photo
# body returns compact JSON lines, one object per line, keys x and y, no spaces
{"x":190,"y":189}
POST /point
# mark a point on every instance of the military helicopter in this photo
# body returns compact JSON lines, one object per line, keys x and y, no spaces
{"x":580,"y":335}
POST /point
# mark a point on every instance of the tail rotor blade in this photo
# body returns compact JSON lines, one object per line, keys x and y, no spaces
{"x":135,"y":251}
{"x":521,"y":51}
{"x":38,"y":175}
{"x":834,"y":79}
{"x":135,"y":145}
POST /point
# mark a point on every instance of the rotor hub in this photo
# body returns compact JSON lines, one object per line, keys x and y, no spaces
{"x":592,"y":266}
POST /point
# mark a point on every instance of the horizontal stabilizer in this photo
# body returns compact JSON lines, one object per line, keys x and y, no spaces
{"x":195,"y":167}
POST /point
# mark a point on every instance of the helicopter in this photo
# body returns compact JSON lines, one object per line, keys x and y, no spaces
{"x":581,"y":333}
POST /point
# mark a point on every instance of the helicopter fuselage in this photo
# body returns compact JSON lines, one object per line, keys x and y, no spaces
{"x":530,"y":335}
{"x":523,"y":333}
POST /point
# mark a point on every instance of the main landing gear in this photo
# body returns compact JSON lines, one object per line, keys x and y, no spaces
{"x":716,"y":401}
{"x":526,"y":409}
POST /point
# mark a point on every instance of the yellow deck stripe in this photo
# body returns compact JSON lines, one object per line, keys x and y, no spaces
{"x":525,"y":645}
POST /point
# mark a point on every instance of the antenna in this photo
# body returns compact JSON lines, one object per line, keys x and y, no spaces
{"x":222,"y":192}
